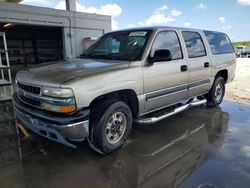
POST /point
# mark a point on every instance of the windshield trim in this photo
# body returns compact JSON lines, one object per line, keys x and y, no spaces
{"x":140,"y":55}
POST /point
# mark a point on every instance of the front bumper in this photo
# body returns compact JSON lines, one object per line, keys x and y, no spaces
{"x":59,"y":128}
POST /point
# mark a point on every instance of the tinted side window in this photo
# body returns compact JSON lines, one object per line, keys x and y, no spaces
{"x":168,"y":40}
{"x":219,"y":42}
{"x":194,"y":44}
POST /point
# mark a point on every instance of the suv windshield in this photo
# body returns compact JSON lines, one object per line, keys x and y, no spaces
{"x":124,"y":45}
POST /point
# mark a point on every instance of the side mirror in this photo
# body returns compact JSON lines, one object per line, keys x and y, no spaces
{"x":160,"y":55}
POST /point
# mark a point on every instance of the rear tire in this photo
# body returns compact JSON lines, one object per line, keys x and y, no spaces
{"x":110,"y":125}
{"x":216,"y":94}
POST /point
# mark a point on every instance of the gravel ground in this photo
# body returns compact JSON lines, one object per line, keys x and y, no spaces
{"x":239,"y":89}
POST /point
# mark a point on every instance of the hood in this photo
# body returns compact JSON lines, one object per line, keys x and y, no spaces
{"x":58,"y":73}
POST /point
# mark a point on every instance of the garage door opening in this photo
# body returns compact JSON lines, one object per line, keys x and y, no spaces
{"x":32,"y":45}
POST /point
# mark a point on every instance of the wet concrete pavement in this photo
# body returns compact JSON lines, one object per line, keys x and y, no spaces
{"x":197,"y":148}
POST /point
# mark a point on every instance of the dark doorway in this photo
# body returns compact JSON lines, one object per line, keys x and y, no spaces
{"x":30,"y":45}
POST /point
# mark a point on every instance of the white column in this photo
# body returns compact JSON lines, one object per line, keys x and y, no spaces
{"x":70,"y":5}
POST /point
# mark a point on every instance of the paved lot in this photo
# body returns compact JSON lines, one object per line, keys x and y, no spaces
{"x":239,"y":89}
{"x":196,"y":147}
{"x":9,"y":152}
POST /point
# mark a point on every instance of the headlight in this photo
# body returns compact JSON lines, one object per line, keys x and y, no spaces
{"x":57,"y":108}
{"x":62,"y":100}
{"x":57,"y":92}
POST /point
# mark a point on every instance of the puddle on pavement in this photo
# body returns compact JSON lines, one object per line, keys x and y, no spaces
{"x":197,"y":148}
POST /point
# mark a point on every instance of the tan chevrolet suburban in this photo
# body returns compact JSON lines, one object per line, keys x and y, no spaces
{"x":140,"y":75}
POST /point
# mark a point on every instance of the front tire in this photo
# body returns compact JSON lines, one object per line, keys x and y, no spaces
{"x":216,"y":94}
{"x":111,"y":122}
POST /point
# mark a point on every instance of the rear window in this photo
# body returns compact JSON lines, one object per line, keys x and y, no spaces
{"x":219,"y":42}
{"x":194,"y":44}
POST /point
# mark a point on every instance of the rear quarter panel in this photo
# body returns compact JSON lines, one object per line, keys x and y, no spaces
{"x":220,"y":62}
{"x":224,"y":62}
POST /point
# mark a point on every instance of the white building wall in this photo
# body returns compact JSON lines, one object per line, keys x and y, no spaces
{"x":76,"y":26}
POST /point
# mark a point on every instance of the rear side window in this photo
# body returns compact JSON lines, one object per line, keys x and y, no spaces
{"x":168,"y":40}
{"x":219,"y":42}
{"x":194,"y":44}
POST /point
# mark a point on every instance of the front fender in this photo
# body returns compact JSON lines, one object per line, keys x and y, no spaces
{"x":88,"y":88}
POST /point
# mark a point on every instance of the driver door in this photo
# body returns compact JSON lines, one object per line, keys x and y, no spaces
{"x":165,"y":82}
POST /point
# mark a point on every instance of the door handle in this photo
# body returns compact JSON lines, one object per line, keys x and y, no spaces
{"x":206,"y":64}
{"x":184,"y":68}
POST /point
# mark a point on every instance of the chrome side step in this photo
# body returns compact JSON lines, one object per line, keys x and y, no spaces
{"x":151,"y":120}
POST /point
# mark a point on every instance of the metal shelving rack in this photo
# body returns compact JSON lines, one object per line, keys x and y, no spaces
{"x":6,"y":89}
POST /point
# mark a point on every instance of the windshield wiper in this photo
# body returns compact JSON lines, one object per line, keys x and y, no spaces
{"x":85,"y":55}
{"x":105,"y":56}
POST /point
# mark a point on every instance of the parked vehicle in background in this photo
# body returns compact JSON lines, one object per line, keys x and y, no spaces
{"x":142,"y":75}
{"x":242,"y":51}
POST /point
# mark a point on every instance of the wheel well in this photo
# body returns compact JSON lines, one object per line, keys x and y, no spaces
{"x":223,"y":74}
{"x":128,"y":96}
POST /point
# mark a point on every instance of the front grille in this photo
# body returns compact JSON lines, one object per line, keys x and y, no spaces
{"x":29,"y":88}
{"x":30,"y":101}
{"x":23,"y":94}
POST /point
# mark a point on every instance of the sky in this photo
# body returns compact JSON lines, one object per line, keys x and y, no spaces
{"x":229,"y":16}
